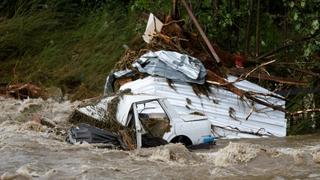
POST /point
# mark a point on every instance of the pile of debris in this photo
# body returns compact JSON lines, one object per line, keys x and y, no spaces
{"x":122,"y":135}
{"x":191,"y":72}
{"x":21,"y":91}
{"x":171,"y":47}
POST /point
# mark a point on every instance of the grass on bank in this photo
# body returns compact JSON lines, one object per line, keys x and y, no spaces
{"x":43,"y":49}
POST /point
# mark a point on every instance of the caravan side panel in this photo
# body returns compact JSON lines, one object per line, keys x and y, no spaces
{"x":223,"y":108}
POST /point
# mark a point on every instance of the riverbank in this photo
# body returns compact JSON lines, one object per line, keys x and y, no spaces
{"x":69,"y":47}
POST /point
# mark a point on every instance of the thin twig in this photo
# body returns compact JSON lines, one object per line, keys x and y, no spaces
{"x":250,"y":113}
{"x":261,"y":65}
{"x":267,"y":94}
{"x":173,"y":21}
{"x":304,"y":111}
{"x":240,"y":78}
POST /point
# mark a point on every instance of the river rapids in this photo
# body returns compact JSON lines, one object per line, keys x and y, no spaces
{"x":30,"y":150}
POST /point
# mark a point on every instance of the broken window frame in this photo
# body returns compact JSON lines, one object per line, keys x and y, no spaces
{"x":138,"y":125}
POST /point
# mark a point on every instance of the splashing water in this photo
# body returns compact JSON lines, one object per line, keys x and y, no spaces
{"x":30,"y":150}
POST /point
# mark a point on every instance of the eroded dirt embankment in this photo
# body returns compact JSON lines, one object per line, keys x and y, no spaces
{"x":31,"y":150}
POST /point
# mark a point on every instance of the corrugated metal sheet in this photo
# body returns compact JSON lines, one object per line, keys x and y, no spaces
{"x":218,"y":105}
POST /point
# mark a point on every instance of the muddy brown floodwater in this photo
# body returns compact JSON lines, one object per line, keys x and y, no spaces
{"x":29,"y":150}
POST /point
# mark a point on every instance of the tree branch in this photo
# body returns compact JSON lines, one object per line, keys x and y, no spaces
{"x":285,"y":46}
{"x":304,"y":111}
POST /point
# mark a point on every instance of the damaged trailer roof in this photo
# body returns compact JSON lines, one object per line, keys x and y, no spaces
{"x":223,"y":108}
{"x":172,"y":65}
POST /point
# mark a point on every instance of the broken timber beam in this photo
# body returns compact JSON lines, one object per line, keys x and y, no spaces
{"x":203,"y":35}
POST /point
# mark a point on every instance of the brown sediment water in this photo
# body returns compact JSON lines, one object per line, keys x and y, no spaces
{"x":29,"y":150}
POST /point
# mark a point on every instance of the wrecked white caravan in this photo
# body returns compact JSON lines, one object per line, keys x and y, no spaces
{"x":231,"y":117}
{"x":166,"y":122}
{"x":236,"y":108}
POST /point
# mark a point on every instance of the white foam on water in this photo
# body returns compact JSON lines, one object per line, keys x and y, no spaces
{"x":174,"y":154}
{"x":29,"y":171}
{"x":316,"y":157}
{"x":234,"y":153}
{"x":58,"y":112}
